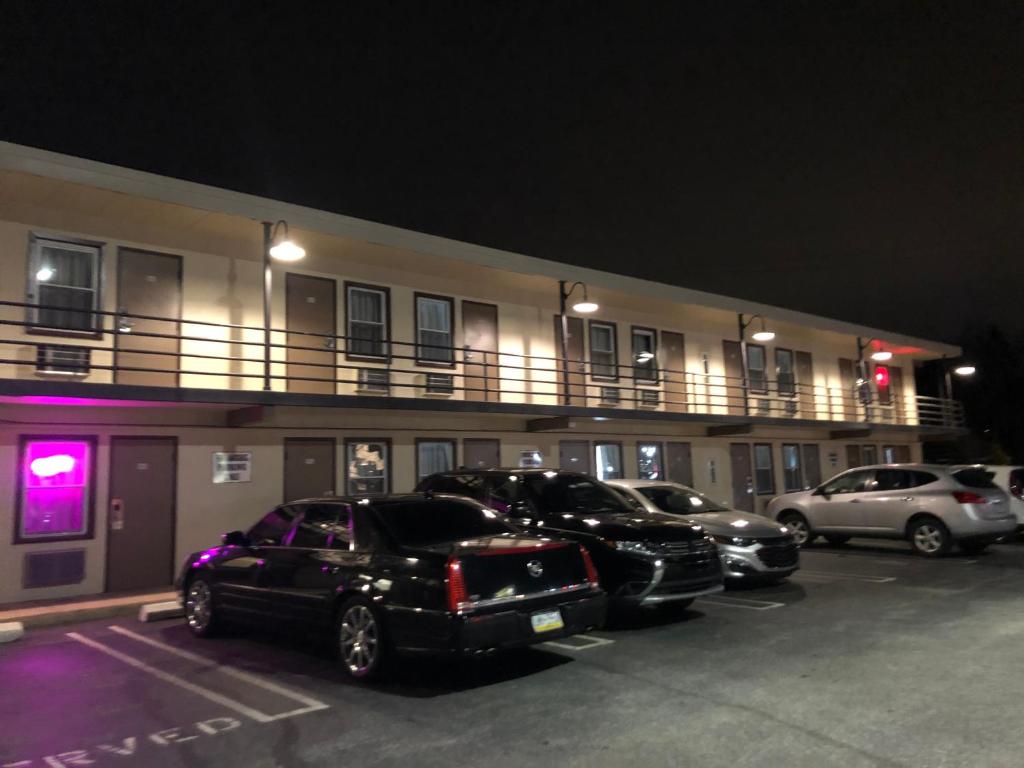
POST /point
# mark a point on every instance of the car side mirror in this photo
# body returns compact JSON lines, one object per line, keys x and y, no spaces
{"x":820,"y":491}
{"x":235,"y":539}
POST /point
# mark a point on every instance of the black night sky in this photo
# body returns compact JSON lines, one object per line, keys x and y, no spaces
{"x":858,"y":160}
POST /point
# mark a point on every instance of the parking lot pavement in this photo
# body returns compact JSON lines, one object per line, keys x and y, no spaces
{"x":869,"y":656}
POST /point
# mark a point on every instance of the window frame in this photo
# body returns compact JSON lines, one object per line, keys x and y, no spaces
{"x":622,"y":463}
{"x":758,"y":490}
{"x":764,"y":370}
{"x":661,"y":458}
{"x":420,"y":360}
{"x":89,"y":515}
{"x":614,"y":365}
{"x":420,"y":475}
{"x":790,"y":388}
{"x":388,"y":473}
{"x":787,"y":488}
{"x":32,"y":287}
{"x":386,"y":341}
{"x":653,"y":332}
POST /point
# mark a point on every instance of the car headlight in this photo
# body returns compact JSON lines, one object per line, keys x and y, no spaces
{"x":638,"y":547}
{"x":736,"y":541}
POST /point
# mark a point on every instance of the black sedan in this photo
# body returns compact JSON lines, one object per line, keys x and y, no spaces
{"x":416,"y":574}
{"x":642,"y":558}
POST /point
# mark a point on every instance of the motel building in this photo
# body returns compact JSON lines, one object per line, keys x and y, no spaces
{"x":150,"y":401}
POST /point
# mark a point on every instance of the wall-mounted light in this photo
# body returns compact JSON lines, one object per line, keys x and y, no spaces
{"x":762,"y":335}
{"x":965,"y":370}
{"x":881,"y":356}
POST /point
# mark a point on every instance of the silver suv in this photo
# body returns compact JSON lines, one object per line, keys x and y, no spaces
{"x":931,"y":506}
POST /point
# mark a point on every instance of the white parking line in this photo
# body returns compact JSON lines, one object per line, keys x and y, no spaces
{"x":167,"y":677}
{"x":592,"y":642}
{"x":311,"y":705}
{"x":886,"y":560}
{"x":837,"y":576}
{"x":741,"y":602}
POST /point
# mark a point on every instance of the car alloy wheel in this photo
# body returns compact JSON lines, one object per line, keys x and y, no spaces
{"x":359,"y":638}
{"x":798,"y":527}
{"x":928,"y":538}
{"x":199,"y":607}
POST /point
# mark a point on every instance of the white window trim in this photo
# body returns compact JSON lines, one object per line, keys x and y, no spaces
{"x":95,"y":250}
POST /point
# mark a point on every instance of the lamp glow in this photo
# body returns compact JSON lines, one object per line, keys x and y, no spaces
{"x":763,"y":335}
{"x":585,"y":307}
{"x":44,"y":274}
{"x":881,"y":355}
{"x":286,"y":250}
{"x":49,"y":466}
{"x":964,"y":370}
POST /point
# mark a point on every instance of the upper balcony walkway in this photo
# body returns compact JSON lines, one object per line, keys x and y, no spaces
{"x":102,"y":356}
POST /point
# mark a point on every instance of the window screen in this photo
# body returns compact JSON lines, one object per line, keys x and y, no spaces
{"x":791,"y":473}
{"x":764,"y":472}
{"x":434,"y":456}
{"x":434,"y":330}
{"x":367,"y":321}
{"x":758,"y":380}
{"x":64,"y":282}
{"x":645,"y":360}
{"x":785,"y":381}
{"x":602,"y":351}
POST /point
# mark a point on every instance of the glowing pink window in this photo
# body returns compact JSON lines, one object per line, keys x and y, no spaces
{"x":55,"y":488}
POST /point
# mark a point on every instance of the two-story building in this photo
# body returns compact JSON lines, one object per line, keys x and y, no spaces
{"x":140,"y":418}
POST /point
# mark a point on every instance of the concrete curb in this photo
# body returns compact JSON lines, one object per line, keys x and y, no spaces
{"x":11,"y":631}
{"x":171,"y":609}
{"x":80,"y":610}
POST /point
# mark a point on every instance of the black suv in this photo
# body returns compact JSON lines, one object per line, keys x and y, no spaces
{"x":642,"y":558}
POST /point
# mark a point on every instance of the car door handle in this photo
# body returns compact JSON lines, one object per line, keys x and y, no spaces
{"x":906,"y":498}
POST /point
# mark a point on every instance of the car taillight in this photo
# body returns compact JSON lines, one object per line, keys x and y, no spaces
{"x":589,"y":565}
{"x":969,"y":497}
{"x":456,"y":585}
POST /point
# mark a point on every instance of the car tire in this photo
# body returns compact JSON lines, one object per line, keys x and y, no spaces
{"x":799,"y":527}
{"x":201,"y":616}
{"x":836,"y":540}
{"x":929,"y":537}
{"x":360,"y":639}
{"x":973,"y":549}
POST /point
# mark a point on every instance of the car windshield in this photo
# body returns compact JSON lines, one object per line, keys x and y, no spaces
{"x":553,"y":493}
{"x":438,"y":521}
{"x":975,"y":477}
{"x":668,"y":498}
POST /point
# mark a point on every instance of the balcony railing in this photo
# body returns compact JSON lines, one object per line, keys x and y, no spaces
{"x":126,"y":348}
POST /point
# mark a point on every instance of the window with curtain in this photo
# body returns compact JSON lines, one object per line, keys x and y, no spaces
{"x":608,"y":461}
{"x":64,"y":281}
{"x":56,"y":489}
{"x":791,"y":474}
{"x":785,"y":381}
{"x":645,"y":355}
{"x":434,"y":456}
{"x":757,"y":380}
{"x":648,"y":457}
{"x":434,"y":342}
{"x":367,"y":469}
{"x":764,"y":471}
{"x":367,"y":321}
{"x":603,"y":362}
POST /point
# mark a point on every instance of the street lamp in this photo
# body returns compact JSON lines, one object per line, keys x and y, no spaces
{"x":279,"y":247}
{"x":584,"y":306}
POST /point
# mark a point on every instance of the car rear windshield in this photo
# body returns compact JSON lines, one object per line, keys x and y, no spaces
{"x":1017,"y":482}
{"x":552,"y":494}
{"x":438,"y":521}
{"x":975,"y":478}
{"x":669,"y":499}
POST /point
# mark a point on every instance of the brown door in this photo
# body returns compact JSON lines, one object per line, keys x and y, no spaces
{"x":148,"y":284}
{"x":902,"y":454}
{"x":673,"y":352}
{"x":853,"y":456}
{"x":848,"y":385}
{"x":310,"y":309}
{"x":805,"y":385}
{"x":896,"y":395}
{"x":140,"y":522}
{"x":308,"y":467}
{"x":732,"y":352}
{"x":812,"y":465}
{"x":574,"y":456}
{"x":576,"y":361}
{"x":481,"y":453}
{"x":742,"y":477}
{"x":480,"y":351}
{"x":679,"y":462}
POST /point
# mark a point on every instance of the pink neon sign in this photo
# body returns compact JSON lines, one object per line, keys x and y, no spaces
{"x":48,"y":466}
{"x":55,"y":488}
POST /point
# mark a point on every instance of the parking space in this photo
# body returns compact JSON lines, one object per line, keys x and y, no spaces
{"x":869,"y":656}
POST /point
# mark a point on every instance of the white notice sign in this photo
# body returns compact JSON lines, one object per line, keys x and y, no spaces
{"x":232,"y":467}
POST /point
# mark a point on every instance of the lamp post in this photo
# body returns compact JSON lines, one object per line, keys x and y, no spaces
{"x":586,"y":306}
{"x":282,"y":249}
{"x":762,"y":335}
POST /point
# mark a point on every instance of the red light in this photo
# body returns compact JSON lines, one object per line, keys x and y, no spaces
{"x":969,"y":497}
{"x":589,"y":565}
{"x":881,"y":376}
{"x":456,"y":585}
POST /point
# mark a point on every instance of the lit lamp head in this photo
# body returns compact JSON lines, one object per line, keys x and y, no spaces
{"x":964,"y":370}
{"x":285,"y":249}
{"x":764,"y":334}
{"x":586,"y":306}
{"x":881,"y":356}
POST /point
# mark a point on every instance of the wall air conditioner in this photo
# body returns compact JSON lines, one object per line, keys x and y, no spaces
{"x":610,"y":396}
{"x":649,"y":398}
{"x":62,"y":360}
{"x":439,"y":384}
{"x":374,"y":381}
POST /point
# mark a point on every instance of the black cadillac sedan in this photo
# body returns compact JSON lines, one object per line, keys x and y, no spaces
{"x":418,"y":574}
{"x":642,"y":558}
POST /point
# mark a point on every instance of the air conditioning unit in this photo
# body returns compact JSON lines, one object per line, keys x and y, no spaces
{"x":61,"y":360}
{"x":440,"y":384}
{"x":610,"y":396}
{"x":649,"y":398}
{"x":375,"y":380}
{"x":763,"y":406}
{"x":790,"y":407}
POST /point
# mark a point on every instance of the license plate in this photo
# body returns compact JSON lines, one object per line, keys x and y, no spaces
{"x":546,"y":621}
